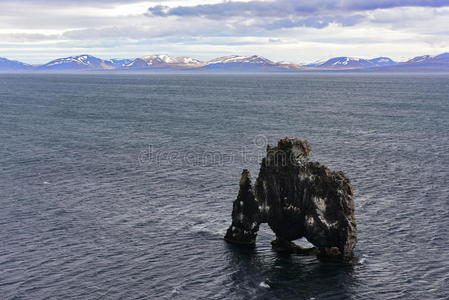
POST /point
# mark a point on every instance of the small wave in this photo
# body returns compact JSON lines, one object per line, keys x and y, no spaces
{"x":264,"y":285}
{"x":361,"y":261}
{"x":208,"y":230}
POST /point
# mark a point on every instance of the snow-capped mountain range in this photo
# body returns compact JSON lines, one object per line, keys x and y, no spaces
{"x":254,"y":59}
{"x":79,"y":62}
{"x":441,"y":58}
{"x":232,"y":63}
{"x":161,"y":60}
{"x":353,"y":63}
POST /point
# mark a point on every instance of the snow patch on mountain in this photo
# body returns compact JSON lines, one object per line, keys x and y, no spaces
{"x":254,"y":59}
{"x":346,"y":62}
{"x":78,"y":62}
{"x":161,"y":60}
{"x":442,"y":58}
{"x":121,"y":62}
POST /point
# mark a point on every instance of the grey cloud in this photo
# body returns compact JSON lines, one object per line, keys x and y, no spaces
{"x":283,"y":8}
{"x":115,"y":32}
{"x":29,"y":37}
{"x":64,"y":3}
{"x":314,"y":22}
{"x":43,"y":19}
{"x":378,"y":4}
{"x":150,"y":31}
{"x":229,"y":9}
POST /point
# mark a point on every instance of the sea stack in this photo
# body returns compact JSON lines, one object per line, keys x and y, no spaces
{"x":297,"y":198}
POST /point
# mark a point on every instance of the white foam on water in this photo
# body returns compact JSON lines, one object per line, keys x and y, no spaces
{"x":264,"y":285}
{"x":208,"y":229}
{"x":361,"y":261}
{"x":303,"y":242}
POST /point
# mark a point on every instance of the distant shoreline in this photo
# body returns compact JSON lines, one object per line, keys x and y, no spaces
{"x":161,"y":63}
{"x":314,"y":72}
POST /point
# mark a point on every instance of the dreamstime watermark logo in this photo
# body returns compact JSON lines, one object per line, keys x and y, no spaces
{"x":159,"y":156}
{"x":260,"y":141}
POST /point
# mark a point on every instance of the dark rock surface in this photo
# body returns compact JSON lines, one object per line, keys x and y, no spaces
{"x":297,"y":198}
{"x":245,"y":214}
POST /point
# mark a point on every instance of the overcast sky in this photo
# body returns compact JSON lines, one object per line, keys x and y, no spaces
{"x":37,"y":31}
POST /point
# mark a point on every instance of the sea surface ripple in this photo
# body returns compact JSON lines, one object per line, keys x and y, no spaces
{"x":121,"y":186}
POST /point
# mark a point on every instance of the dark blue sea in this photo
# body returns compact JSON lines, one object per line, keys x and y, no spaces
{"x":121,"y":186}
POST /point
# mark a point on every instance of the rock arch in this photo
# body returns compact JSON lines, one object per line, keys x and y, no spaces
{"x":297,"y":198}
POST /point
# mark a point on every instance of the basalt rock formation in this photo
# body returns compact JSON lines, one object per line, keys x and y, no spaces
{"x":297,"y":198}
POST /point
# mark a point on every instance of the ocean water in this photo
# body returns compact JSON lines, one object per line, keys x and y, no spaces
{"x":121,"y":186}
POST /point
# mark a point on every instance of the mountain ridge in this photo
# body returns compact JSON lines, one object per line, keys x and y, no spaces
{"x":346,"y":62}
{"x":12,"y":65}
{"x":230,"y":63}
